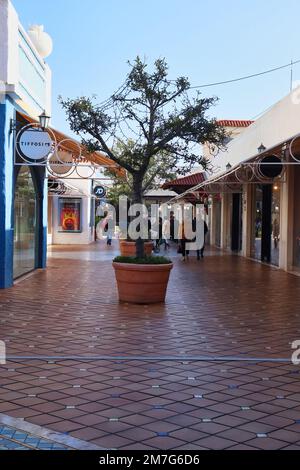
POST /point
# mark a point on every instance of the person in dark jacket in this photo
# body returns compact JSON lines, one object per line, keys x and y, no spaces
{"x":200,"y":251}
{"x":205,"y":233}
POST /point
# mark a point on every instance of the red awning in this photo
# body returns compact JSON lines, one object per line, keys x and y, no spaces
{"x":182,"y":184}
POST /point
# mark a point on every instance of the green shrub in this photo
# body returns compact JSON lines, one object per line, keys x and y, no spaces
{"x":145,"y":260}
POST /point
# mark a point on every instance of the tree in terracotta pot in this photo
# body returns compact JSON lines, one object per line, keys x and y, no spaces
{"x":149,"y":124}
{"x":159,"y":169}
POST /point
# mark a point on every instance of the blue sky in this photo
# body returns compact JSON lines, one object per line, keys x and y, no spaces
{"x":206,"y":41}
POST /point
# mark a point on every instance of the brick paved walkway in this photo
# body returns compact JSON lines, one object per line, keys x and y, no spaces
{"x":219,"y":307}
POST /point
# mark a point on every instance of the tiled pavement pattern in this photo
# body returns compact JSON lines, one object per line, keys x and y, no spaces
{"x":220,"y":306}
{"x":14,"y":439}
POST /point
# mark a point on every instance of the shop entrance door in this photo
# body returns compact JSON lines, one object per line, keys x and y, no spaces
{"x":266,"y":224}
{"x":236,"y":223}
{"x":25,"y":210}
{"x":218,"y":223}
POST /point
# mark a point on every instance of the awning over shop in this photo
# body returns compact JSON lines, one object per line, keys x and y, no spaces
{"x":250,"y":171}
{"x":180,"y":185}
{"x":71,"y":145}
{"x":184,"y":186}
{"x":59,"y":187}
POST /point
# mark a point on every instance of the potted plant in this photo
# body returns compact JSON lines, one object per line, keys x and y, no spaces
{"x":128,"y":247}
{"x":123,"y":186}
{"x":142,"y":280}
{"x":162,"y":124}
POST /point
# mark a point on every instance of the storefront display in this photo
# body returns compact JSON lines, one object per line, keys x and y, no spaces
{"x":257,"y":223}
{"x":266,"y":223}
{"x":70,"y":214}
{"x":296,"y":228}
{"x":236,"y":222}
{"x":218,"y":223}
{"x":275,"y":242}
{"x":25,"y":211}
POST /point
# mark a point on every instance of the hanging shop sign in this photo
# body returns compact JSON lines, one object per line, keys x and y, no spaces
{"x":34,"y":144}
{"x":99,"y":191}
{"x":61,"y":163}
{"x":270,"y":167}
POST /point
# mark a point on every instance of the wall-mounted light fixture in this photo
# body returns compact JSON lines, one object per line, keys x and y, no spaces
{"x":261,"y":148}
{"x":228,"y":166}
{"x":12,"y":126}
{"x":44,"y":120}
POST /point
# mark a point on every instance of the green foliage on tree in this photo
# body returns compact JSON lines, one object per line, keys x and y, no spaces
{"x":160,"y":169}
{"x":149,"y":124}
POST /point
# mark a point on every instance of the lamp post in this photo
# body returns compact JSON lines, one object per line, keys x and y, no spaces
{"x":261,"y":148}
{"x":44,"y":120}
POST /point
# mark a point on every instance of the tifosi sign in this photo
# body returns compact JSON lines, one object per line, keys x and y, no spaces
{"x":34,"y":144}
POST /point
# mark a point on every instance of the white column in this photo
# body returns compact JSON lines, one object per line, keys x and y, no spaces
{"x":247,"y":219}
{"x":286,"y":220}
{"x":212,"y":227}
{"x":225,"y":220}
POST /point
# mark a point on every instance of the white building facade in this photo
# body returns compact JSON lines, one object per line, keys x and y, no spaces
{"x":25,"y":90}
{"x":254,"y":190}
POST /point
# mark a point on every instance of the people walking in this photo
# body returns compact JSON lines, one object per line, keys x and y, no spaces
{"x":108,"y":230}
{"x":159,"y":239}
{"x":205,"y":233}
{"x":275,"y":233}
{"x":172,"y":227}
{"x":183,"y":240}
{"x":166,"y":233}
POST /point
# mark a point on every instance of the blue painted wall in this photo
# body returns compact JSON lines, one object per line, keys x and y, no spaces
{"x":42,"y":216}
{"x":7,"y":112}
{"x":8,"y":174}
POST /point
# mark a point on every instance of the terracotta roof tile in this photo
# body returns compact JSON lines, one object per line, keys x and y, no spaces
{"x":234,"y":123}
{"x":188,"y":181}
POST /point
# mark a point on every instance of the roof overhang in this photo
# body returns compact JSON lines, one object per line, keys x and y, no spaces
{"x":245,"y":172}
{"x":184,"y":183}
{"x":59,"y":187}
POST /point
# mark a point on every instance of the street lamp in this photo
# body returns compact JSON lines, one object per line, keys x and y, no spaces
{"x":44,"y":120}
{"x":261,"y":148}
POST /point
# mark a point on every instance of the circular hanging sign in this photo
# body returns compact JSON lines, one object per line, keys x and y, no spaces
{"x":34,"y":144}
{"x":61,"y":163}
{"x":270,"y":166}
{"x":99,"y":191}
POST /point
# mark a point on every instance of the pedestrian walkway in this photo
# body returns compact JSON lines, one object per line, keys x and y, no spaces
{"x":17,"y":434}
{"x":210,"y":369}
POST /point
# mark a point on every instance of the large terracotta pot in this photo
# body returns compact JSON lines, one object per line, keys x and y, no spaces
{"x":129,"y":249}
{"x":142,"y":283}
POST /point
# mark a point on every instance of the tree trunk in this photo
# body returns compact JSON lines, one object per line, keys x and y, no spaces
{"x":138,"y":199}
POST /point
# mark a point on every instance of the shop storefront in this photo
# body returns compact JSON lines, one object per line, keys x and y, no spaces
{"x":72,"y":207}
{"x":236,"y":222}
{"x":266,"y":223}
{"x":296,"y":214}
{"x":261,"y":168}
{"x":25,"y":223}
{"x":217,"y":222}
{"x":30,"y":152}
{"x":275,"y":224}
{"x":26,"y":88}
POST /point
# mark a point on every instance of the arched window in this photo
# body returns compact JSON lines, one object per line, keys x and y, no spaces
{"x":25,"y":216}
